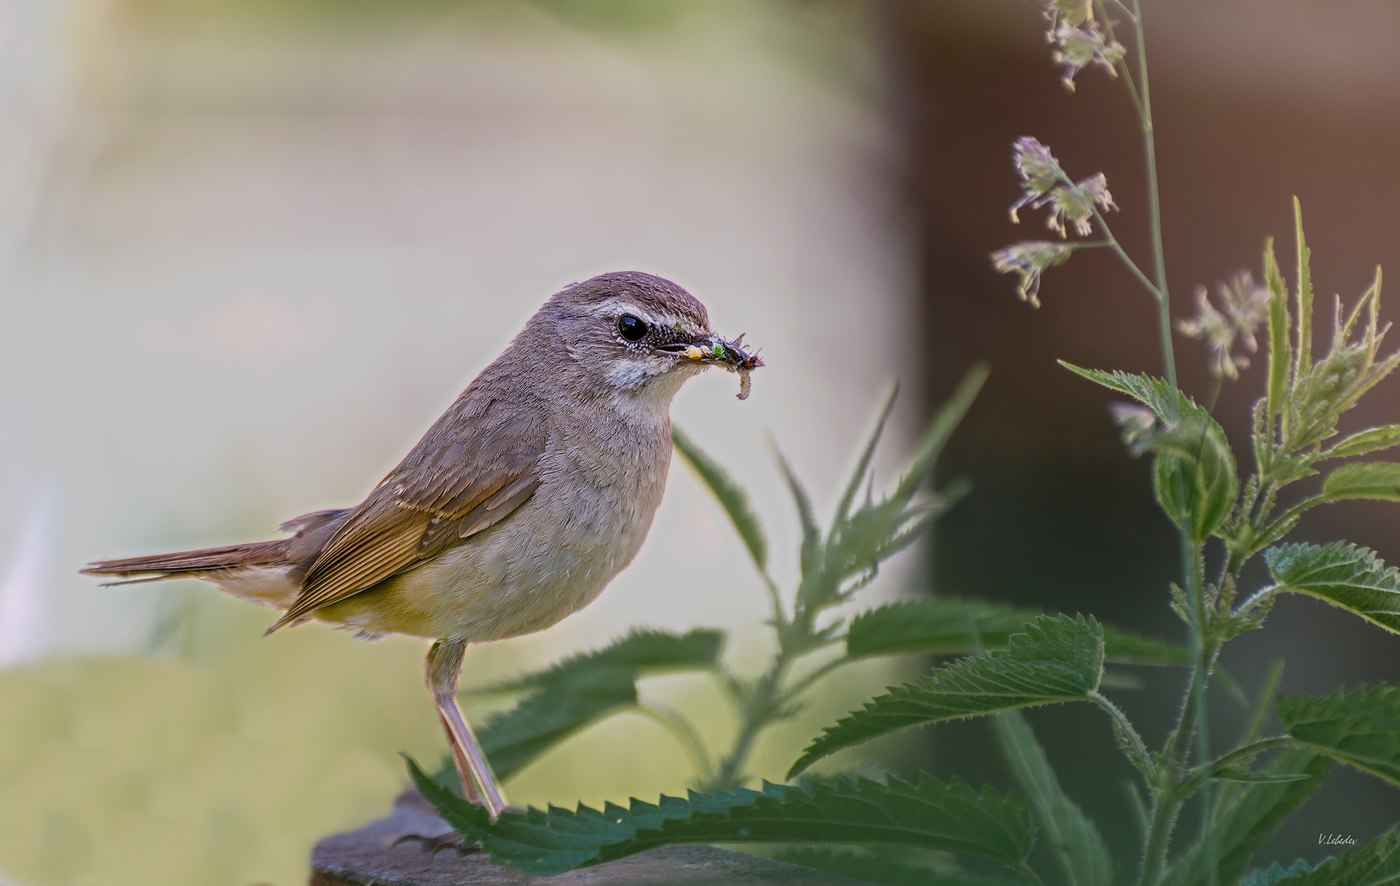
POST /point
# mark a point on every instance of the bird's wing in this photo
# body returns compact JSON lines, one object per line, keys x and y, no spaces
{"x":479,"y":463}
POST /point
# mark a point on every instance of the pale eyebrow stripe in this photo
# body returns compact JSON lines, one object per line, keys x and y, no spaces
{"x":617,"y":305}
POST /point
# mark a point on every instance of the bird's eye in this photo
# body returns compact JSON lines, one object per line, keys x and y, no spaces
{"x":632,"y":328}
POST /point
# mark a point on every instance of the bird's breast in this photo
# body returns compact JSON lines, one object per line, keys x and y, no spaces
{"x":554,"y":555}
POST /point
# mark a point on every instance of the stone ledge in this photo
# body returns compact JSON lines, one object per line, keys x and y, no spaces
{"x":363,"y":857}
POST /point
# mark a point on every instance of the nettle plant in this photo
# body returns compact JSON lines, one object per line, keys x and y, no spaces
{"x":948,"y":831}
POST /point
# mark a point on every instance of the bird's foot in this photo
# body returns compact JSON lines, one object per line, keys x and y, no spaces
{"x":433,"y":845}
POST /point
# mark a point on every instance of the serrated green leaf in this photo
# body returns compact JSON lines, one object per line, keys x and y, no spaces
{"x":1194,"y":475}
{"x":868,"y":867}
{"x":1125,"y":647}
{"x":1076,"y":843}
{"x":1166,"y":402}
{"x":1374,"y":864}
{"x":1364,"y":442}
{"x":1280,"y":351}
{"x":867,"y":453}
{"x":1356,"y":727}
{"x":1250,"y":816}
{"x":1367,"y":479}
{"x":928,"y":814}
{"x":1305,"y":295}
{"x":1335,"y":383}
{"x":860,"y":540}
{"x":933,"y":626}
{"x":1343,"y":574}
{"x":955,"y":626}
{"x":578,"y":691}
{"x":642,"y":651}
{"x":1246,"y":776}
{"x":940,"y":430}
{"x":1276,"y":873}
{"x":514,"y":738}
{"x":1056,"y":659}
{"x":730,"y":495}
{"x":810,"y":555}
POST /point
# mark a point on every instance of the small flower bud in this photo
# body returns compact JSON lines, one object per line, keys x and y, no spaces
{"x":1038,"y":168}
{"x":1076,"y":205}
{"x":1078,"y":47}
{"x":1028,"y":260}
{"x":1136,"y":424}
{"x":1069,"y":12}
{"x":1246,"y":307}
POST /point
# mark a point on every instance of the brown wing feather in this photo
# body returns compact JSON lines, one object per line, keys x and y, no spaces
{"x":476,"y":465}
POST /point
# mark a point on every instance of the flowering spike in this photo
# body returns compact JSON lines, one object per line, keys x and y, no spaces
{"x":1244,"y":305}
{"x":1028,"y":260}
{"x":1078,"y":47}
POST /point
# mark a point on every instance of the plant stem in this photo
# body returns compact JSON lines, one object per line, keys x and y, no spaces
{"x":821,"y":671}
{"x":1154,"y":201}
{"x":684,"y":732}
{"x":1204,"y":659}
{"x":1165,"y":807}
{"x":1126,"y":259}
{"x":757,"y":709}
{"x":1143,"y":760}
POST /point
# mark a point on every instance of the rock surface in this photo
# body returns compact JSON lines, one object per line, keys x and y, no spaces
{"x":365,"y":856}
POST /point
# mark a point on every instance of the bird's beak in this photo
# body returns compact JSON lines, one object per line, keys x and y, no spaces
{"x":714,"y":350}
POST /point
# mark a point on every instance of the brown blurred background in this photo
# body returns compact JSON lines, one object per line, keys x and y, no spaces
{"x":1254,"y":102}
{"x":250,"y":248}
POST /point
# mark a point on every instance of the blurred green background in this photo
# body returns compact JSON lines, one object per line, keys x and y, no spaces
{"x":249,"y":249}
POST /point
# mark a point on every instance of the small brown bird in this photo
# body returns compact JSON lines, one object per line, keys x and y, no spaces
{"x":516,"y":508}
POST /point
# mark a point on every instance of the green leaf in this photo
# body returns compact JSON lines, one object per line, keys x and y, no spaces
{"x":730,"y":495}
{"x":868,"y":867}
{"x":1356,"y":727}
{"x":1247,"y":776}
{"x":1367,"y":479}
{"x":578,"y":691}
{"x":860,"y":540}
{"x":1280,"y":351}
{"x":953,"y":626}
{"x":1078,"y":846}
{"x":1194,"y":475}
{"x":857,"y":479}
{"x":1057,"y":659}
{"x":1305,"y":295}
{"x":811,"y":533}
{"x":1339,"y":379}
{"x":1364,"y":442}
{"x":1125,"y":647}
{"x":928,"y":814}
{"x":933,"y":626}
{"x":639,"y":651}
{"x":1248,"y":817}
{"x":513,"y":739}
{"x":1374,"y":864}
{"x":936,"y":437}
{"x":1342,"y":574}
{"x":1166,"y":402}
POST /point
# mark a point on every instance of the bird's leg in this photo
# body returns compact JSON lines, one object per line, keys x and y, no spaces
{"x":478,"y":782}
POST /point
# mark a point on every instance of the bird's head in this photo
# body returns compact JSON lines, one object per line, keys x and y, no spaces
{"x":637,"y":337}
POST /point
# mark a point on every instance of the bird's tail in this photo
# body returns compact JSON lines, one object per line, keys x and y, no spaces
{"x":202,"y":563}
{"x":267,"y":572}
